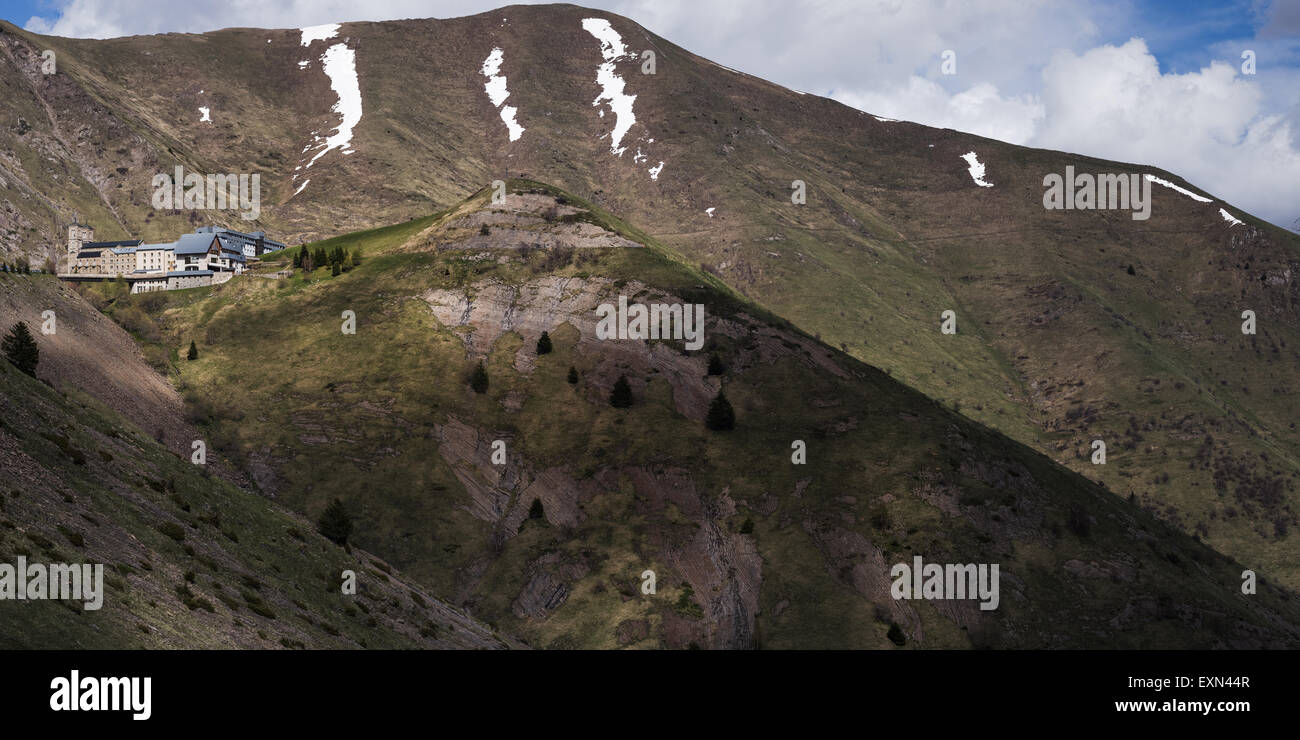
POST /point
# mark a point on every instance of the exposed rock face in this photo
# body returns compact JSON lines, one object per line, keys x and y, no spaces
{"x":491,"y":309}
{"x":523,"y":221}
{"x":548,"y":586}
{"x":502,"y":494}
{"x":855,"y":561}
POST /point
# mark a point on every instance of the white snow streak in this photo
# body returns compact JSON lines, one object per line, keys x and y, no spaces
{"x":497,"y":92}
{"x":1232,"y":221}
{"x":654,"y":171}
{"x":203,"y":110}
{"x":1188,"y":193}
{"x":341,"y":66}
{"x":611,"y":85}
{"x":976,"y":169}
{"x":319,"y":33}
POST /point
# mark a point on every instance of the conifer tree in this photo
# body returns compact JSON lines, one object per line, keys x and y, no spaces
{"x":544,"y":344}
{"x":573,"y":375}
{"x":335,"y":523}
{"x":621,"y":396}
{"x":715,"y":365}
{"x":479,"y":380}
{"x":20,"y":348}
{"x":193,"y":354}
{"x":721,"y":416}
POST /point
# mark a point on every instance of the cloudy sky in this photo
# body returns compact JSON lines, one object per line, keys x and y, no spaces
{"x":1148,"y":81}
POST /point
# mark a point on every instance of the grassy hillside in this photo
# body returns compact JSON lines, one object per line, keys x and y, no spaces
{"x":748,"y":548}
{"x":1057,"y":344}
{"x":190,"y":561}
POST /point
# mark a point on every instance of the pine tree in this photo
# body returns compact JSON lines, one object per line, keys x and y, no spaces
{"x":479,"y":380}
{"x":193,"y":354}
{"x":319,"y":258}
{"x":573,"y":375}
{"x":1131,"y":271}
{"x":544,"y":344}
{"x":715,"y":365}
{"x":20,"y":348}
{"x":621,"y":396}
{"x":721,"y":416}
{"x":335,"y":523}
{"x":335,"y":270}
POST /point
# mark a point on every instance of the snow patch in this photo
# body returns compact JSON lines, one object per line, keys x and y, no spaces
{"x":497,"y":92}
{"x":303,"y":185}
{"x":340,"y":64}
{"x":976,"y":169}
{"x":882,"y":119}
{"x":1184,"y":191}
{"x":611,"y":85}
{"x":496,"y":84}
{"x":319,"y":33}
{"x":654,"y":171}
{"x":204,"y":114}
{"x":710,"y":211}
{"x":303,"y":64}
{"x":1229,"y":218}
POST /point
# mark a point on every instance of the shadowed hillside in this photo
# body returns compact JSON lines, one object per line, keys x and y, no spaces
{"x":190,"y":561}
{"x":748,"y":547}
{"x":1072,"y":326}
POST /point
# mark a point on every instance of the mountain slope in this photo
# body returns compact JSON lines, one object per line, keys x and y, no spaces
{"x":190,"y":561}
{"x":748,"y":548}
{"x":1057,"y":343}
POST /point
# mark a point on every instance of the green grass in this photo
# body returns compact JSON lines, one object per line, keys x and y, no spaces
{"x":360,"y":417}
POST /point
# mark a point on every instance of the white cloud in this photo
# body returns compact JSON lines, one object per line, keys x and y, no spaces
{"x":1208,"y":126}
{"x":981,"y":109}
